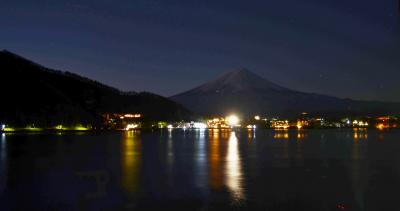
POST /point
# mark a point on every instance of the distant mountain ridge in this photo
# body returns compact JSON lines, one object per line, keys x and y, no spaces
{"x":242,"y":91}
{"x":32,"y":93}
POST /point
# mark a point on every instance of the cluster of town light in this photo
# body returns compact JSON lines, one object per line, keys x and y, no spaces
{"x":130,"y":116}
{"x":231,"y":121}
{"x":228,"y":122}
{"x":360,"y":123}
{"x":280,"y":124}
{"x":127,"y":121}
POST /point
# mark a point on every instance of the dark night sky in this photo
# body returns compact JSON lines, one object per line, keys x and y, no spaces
{"x":345,"y":48}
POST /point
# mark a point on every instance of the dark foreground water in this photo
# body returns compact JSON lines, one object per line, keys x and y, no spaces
{"x":202,"y":170}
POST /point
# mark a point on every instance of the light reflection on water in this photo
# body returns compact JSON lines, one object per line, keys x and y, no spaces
{"x":130,"y":161}
{"x":3,"y":162}
{"x":360,"y":133}
{"x":233,"y":169}
{"x":215,"y":160}
{"x":3,"y":148}
{"x":281,"y":134}
{"x":359,"y":153}
{"x":251,"y":134}
{"x":201,"y":160}
{"x":320,"y":167}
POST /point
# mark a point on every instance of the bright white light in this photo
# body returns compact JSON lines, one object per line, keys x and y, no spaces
{"x":3,"y":126}
{"x":170,"y":126}
{"x":257,"y":118}
{"x":233,"y":120}
{"x":199,"y":125}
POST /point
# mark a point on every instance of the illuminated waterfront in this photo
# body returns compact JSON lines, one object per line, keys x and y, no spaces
{"x":201,"y":170}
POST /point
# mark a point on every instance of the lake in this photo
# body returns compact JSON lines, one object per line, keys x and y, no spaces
{"x":336,"y":169}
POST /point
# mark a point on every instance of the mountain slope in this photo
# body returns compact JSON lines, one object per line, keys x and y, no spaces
{"x":242,"y":91}
{"x":32,"y":93}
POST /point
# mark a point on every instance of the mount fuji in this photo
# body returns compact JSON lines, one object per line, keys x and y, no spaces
{"x":243,"y":92}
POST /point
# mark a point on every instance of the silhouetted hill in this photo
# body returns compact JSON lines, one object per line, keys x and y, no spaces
{"x":32,"y":93}
{"x":242,"y":91}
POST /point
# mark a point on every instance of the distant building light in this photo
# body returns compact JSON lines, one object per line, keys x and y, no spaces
{"x":3,"y":126}
{"x":257,"y":118}
{"x":280,"y":124}
{"x":170,"y":127}
{"x":132,"y":115}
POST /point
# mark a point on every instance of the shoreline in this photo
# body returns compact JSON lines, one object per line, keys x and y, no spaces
{"x":43,"y":130}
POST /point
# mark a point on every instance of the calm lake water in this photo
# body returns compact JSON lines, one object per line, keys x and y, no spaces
{"x":201,"y":170}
